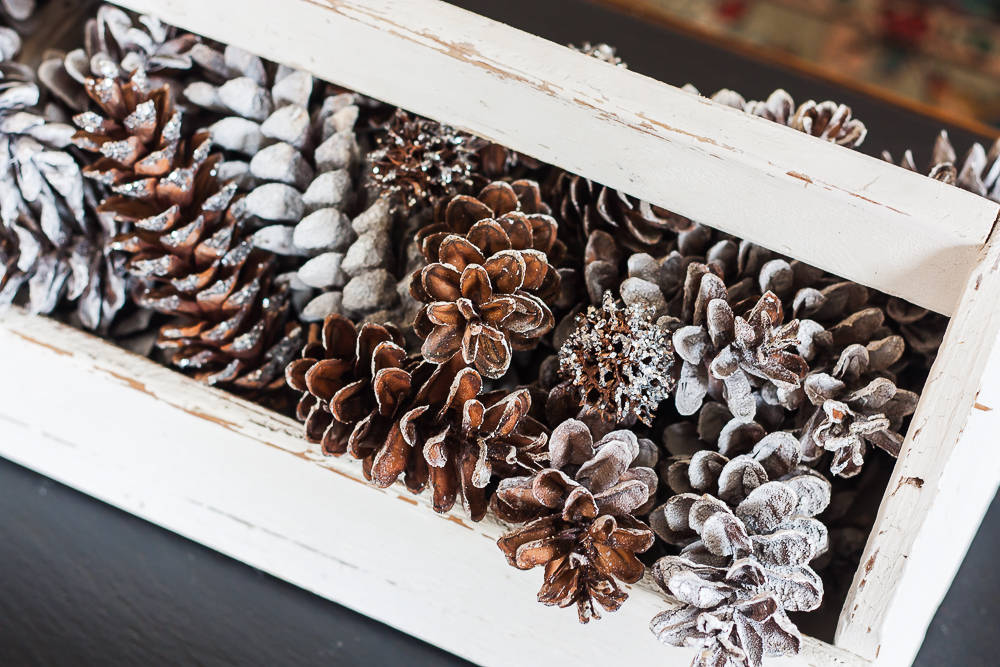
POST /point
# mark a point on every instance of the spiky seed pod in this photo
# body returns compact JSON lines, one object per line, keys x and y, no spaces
{"x":485,"y":293}
{"x":186,"y":247}
{"x":418,"y":160}
{"x":578,"y":519}
{"x":620,"y":361}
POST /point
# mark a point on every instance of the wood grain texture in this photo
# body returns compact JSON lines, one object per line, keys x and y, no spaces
{"x":831,"y":207}
{"x":946,"y":477}
{"x":241,"y":480}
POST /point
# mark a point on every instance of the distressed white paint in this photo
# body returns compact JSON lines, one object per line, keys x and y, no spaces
{"x":945,"y":479}
{"x":241,"y":480}
{"x":831,"y":207}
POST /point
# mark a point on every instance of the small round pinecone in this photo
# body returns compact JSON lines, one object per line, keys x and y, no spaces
{"x":486,"y":290}
{"x":352,"y":383}
{"x":856,"y":406}
{"x":578,"y":518}
{"x":418,"y":161}
{"x":456,"y":439}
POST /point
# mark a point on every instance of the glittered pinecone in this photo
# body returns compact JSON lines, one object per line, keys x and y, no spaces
{"x":601,"y":51}
{"x":486,"y":289}
{"x":856,"y":406}
{"x":186,"y":248}
{"x":746,"y":554}
{"x":619,"y":362}
{"x":977,"y":172}
{"x":52,"y":239}
{"x":456,"y":439}
{"x":419,"y":160}
{"x":828,"y":121}
{"x":115,"y":43}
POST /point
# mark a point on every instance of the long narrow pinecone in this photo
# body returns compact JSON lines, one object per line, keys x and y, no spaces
{"x":52,"y":239}
{"x":186,"y":247}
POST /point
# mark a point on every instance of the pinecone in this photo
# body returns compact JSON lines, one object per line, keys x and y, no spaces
{"x":619,"y":361}
{"x":456,"y":439}
{"x":343,"y":383}
{"x":50,"y":235}
{"x":828,"y":121}
{"x":114,"y":44}
{"x":746,"y":556}
{"x":186,"y":248}
{"x":578,"y":519}
{"x":732,"y":349}
{"x":486,"y":292}
{"x":978,"y":172}
{"x":601,"y":51}
{"x":419,"y":160}
{"x":857,"y":407}
{"x":585,"y":207}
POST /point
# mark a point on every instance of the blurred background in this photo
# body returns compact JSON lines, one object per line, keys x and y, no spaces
{"x":943,"y":53}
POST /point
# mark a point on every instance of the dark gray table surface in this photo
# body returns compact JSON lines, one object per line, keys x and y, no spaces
{"x":83,"y":583}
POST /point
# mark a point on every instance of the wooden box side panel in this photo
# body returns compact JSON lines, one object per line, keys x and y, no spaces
{"x":236,"y":478}
{"x":946,"y":477}
{"x":831,"y":207}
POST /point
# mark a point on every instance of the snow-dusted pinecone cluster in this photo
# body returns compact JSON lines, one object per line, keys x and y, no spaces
{"x":466,"y":320}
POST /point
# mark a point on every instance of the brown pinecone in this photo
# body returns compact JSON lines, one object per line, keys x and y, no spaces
{"x":828,"y":121}
{"x":456,"y":439}
{"x":619,"y":361}
{"x":351,"y":381}
{"x":578,"y":519}
{"x":487,"y":287}
{"x":978,"y":171}
{"x":187,"y":249}
{"x":419,"y":160}
{"x":585,"y":206}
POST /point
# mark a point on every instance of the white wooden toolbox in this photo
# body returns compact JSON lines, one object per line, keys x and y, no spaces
{"x":241,"y":480}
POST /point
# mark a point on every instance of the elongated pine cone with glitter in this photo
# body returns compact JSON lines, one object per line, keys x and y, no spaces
{"x":487,"y":286}
{"x":186,"y":246}
{"x":578,"y":519}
